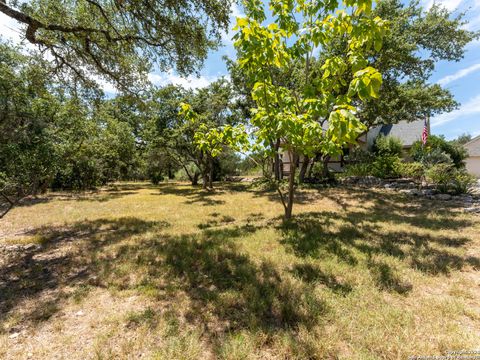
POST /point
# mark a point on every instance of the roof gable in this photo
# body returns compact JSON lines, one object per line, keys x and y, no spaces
{"x":407,"y":132}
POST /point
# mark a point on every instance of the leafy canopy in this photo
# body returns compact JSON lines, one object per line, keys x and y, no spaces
{"x":418,"y":39}
{"x":320,"y":116}
{"x":121,"y":40}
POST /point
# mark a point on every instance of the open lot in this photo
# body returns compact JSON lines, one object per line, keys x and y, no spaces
{"x":173,"y":272}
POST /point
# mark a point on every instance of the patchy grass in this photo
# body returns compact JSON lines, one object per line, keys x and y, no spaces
{"x":173,"y":272}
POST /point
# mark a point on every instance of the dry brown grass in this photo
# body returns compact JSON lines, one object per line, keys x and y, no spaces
{"x":172,"y":272}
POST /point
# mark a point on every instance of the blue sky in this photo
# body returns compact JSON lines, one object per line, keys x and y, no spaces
{"x":462,"y":78}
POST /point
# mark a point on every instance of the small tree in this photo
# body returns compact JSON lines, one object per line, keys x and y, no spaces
{"x":319,"y":115}
{"x":211,"y":140}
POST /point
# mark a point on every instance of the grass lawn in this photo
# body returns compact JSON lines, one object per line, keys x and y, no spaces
{"x":172,"y":272}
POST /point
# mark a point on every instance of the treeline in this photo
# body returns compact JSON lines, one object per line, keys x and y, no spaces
{"x":59,"y":137}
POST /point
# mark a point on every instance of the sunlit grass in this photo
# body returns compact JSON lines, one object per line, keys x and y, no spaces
{"x":173,"y":272}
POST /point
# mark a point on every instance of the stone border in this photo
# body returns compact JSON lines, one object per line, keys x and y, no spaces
{"x":470,"y":202}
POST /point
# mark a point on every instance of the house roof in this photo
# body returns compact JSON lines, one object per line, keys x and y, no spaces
{"x":473,"y":147}
{"x":407,"y":132}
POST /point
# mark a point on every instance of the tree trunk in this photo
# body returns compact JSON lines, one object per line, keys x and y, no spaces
{"x":210,"y":175}
{"x":326,"y":172}
{"x":276,"y":163}
{"x":303,"y":169}
{"x":204,"y":180}
{"x":291,"y":187}
{"x":194,"y":178}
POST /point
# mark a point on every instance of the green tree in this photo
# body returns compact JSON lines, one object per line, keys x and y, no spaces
{"x":173,"y":138}
{"x":319,"y":115}
{"x":418,"y":39}
{"x":169,"y":141}
{"x":121,"y":40}
{"x":213,"y":135}
{"x":27,"y":108}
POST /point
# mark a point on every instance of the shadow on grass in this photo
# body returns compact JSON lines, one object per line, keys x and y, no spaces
{"x":208,"y":267}
{"x":91,"y":196}
{"x":65,"y":257}
{"x":221,"y":281}
{"x":314,"y":275}
{"x":354,"y":236}
{"x":226,"y":289}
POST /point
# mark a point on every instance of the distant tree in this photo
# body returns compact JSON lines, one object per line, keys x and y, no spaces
{"x":171,"y":137}
{"x":122,"y":40}
{"x":52,"y":138}
{"x":388,"y":145}
{"x":462,"y":139}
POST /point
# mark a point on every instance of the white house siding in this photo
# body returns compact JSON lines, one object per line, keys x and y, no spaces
{"x":473,"y":165}
{"x":473,"y":160}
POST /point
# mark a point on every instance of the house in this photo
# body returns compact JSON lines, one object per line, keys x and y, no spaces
{"x":407,"y":132}
{"x":473,"y":160}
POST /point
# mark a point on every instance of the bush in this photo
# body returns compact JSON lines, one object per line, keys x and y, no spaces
{"x":383,"y":166}
{"x":388,"y":146}
{"x":359,"y":169}
{"x":360,"y":156}
{"x":462,"y":182}
{"x":448,"y":179}
{"x":413,"y":170}
{"x":386,"y":166}
{"x":435,"y":150}
{"x":440,"y":175}
{"x":436,"y":156}
{"x":319,"y":173}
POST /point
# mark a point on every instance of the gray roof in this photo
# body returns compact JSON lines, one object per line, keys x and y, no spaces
{"x":407,"y":132}
{"x":473,"y":147}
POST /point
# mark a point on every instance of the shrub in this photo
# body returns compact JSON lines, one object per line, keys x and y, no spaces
{"x":386,"y":166}
{"x":436,"y":156}
{"x":440,"y":175}
{"x":359,"y":169}
{"x":448,"y":179}
{"x":360,"y":156}
{"x":413,"y":170}
{"x":436,"y":148}
{"x":319,"y":172}
{"x":388,"y":145}
{"x":462,"y":182}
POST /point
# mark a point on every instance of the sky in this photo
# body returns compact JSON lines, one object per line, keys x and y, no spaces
{"x":461,"y":78}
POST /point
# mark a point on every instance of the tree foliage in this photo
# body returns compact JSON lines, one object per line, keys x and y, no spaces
{"x":121,"y":40}
{"x":320,"y":114}
{"x":439,"y":150}
{"x":418,"y":39}
{"x":50,"y":138}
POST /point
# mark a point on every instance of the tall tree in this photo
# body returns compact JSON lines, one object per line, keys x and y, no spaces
{"x":417,"y":40}
{"x":121,"y":40}
{"x":27,"y":107}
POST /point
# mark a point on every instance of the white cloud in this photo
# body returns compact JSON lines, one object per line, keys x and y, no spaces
{"x":472,"y":107}
{"x":190,"y":82}
{"x":458,"y":75}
